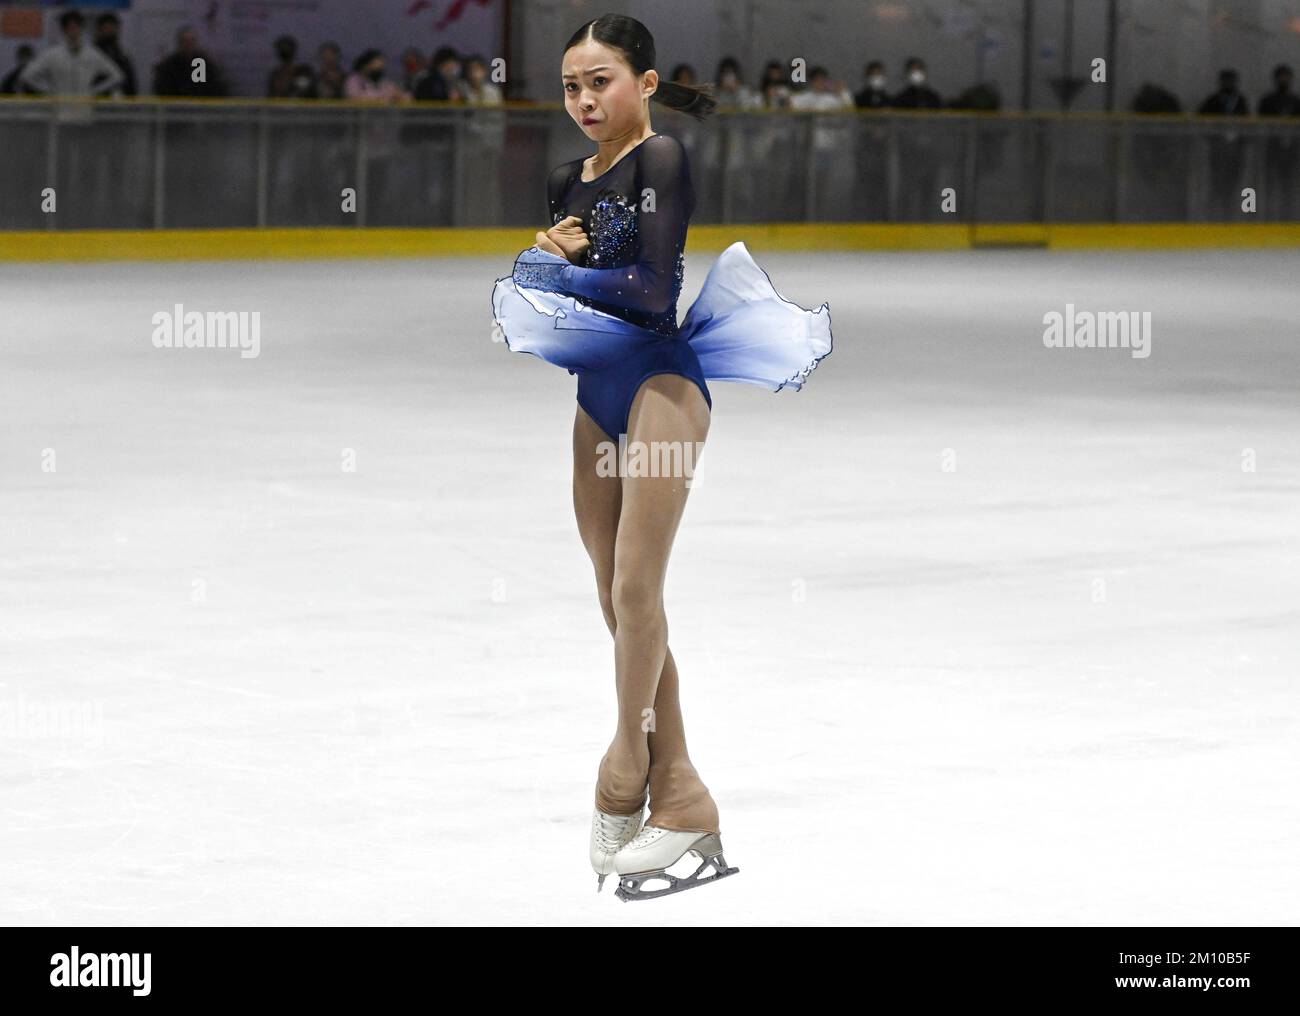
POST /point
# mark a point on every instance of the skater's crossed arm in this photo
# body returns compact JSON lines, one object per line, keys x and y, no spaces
{"x":664,"y":202}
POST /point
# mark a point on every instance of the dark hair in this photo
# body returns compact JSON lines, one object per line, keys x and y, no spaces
{"x":68,"y":17}
{"x":365,"y":58}
{"x":108,"y":19}
{"x":1281,"y":69}
{"x":444,"y":53}
{"x":634,"y":41}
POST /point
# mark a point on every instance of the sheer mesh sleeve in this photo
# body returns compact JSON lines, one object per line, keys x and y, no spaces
{"x":555,"y":185}
{"x":541,"y":270}
{"x":648,"y":284}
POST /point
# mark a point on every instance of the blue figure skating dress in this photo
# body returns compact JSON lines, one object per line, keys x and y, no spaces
{"x":612,"y":321}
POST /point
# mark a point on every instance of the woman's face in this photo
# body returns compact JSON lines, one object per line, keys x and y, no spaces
{"x":600,"y":88}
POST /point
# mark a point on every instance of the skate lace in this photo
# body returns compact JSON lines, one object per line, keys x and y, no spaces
{"x":648,"y":834}
{"x":611,"y":830}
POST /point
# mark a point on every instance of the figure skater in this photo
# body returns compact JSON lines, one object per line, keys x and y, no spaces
{"x":597,"y":295}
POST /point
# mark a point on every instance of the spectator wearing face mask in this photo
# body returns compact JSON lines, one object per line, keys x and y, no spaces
{"x":731,"y":92}
{"x":290,"y":79}
{"x":922,"y":167}
{"x":443,"y":82}
{"x":917,"y":94}
{"x":383,"y":192}
{"x":870,"y":200}
{"x":367,"y":83}
{"x":430,"y":136}
{"x":873,"y":95}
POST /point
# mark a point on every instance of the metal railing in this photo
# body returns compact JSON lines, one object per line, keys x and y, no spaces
{"x":154,"y":164}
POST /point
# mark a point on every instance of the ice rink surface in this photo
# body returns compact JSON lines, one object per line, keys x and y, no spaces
{"x":970,"y":630}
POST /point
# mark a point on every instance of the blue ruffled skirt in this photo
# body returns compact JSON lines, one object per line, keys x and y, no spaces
{"x":738,"y":329}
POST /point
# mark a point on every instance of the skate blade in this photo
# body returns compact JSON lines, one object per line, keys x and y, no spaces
{"x":630,"y":886}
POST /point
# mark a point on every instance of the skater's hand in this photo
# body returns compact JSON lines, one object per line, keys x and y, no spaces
{"x":568,"y":235}
{"x":547,"y":244}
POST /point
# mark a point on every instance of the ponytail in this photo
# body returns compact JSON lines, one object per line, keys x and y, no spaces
{"x":697,"y":102}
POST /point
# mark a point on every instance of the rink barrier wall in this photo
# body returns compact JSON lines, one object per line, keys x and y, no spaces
{"x":297,"y":244}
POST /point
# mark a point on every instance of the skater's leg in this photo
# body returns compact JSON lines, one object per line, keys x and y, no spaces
{"x":667,"y":408}
{"x":678,"y":797}
{"x":597,"y":500}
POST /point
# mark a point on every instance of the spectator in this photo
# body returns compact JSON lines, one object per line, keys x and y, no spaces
{"x":920,"y":158}
{"x":775,"y":86}
{"x":822,"y":93}
{"x":175,"y":74}
{"x":832,"y":140}
{"x":443,"y":82}
{"x":71,"y":67}
{"x":430,"y":136}
{"x":731,"y":92}
{"x":290,"y":80}
{"x":479,"y":91}
{"x":770,"y":142}
{"x":1281,"y":101}
{"x":11,"y":84}
{"x":414,"y":68}
{"x":485,"y":132}
{"x":917,"y":94}
{"x":367,"y":83}
{"x":731,"y":142}
{"x":683,"y":74}
{"x":108,"y":32}
{"x":1227,"y":101}
{"x":1281,"y":153}
{"x":874,"y":96}
{"x":983,"y":97}
{"x":386,"y":174}
{"x":870,"y":199}
{"x":1227,"y":147}
{"x":330,"y":79}
{"x":1159,"y":185}
{"x":1154,"y":99}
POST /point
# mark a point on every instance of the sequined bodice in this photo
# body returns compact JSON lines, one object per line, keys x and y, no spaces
{"x":636,"y":215}
{"x":611,"y":226}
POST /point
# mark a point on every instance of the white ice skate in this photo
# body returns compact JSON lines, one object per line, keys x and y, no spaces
{"x":609,"y":834}
{"x":653,"y":850}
